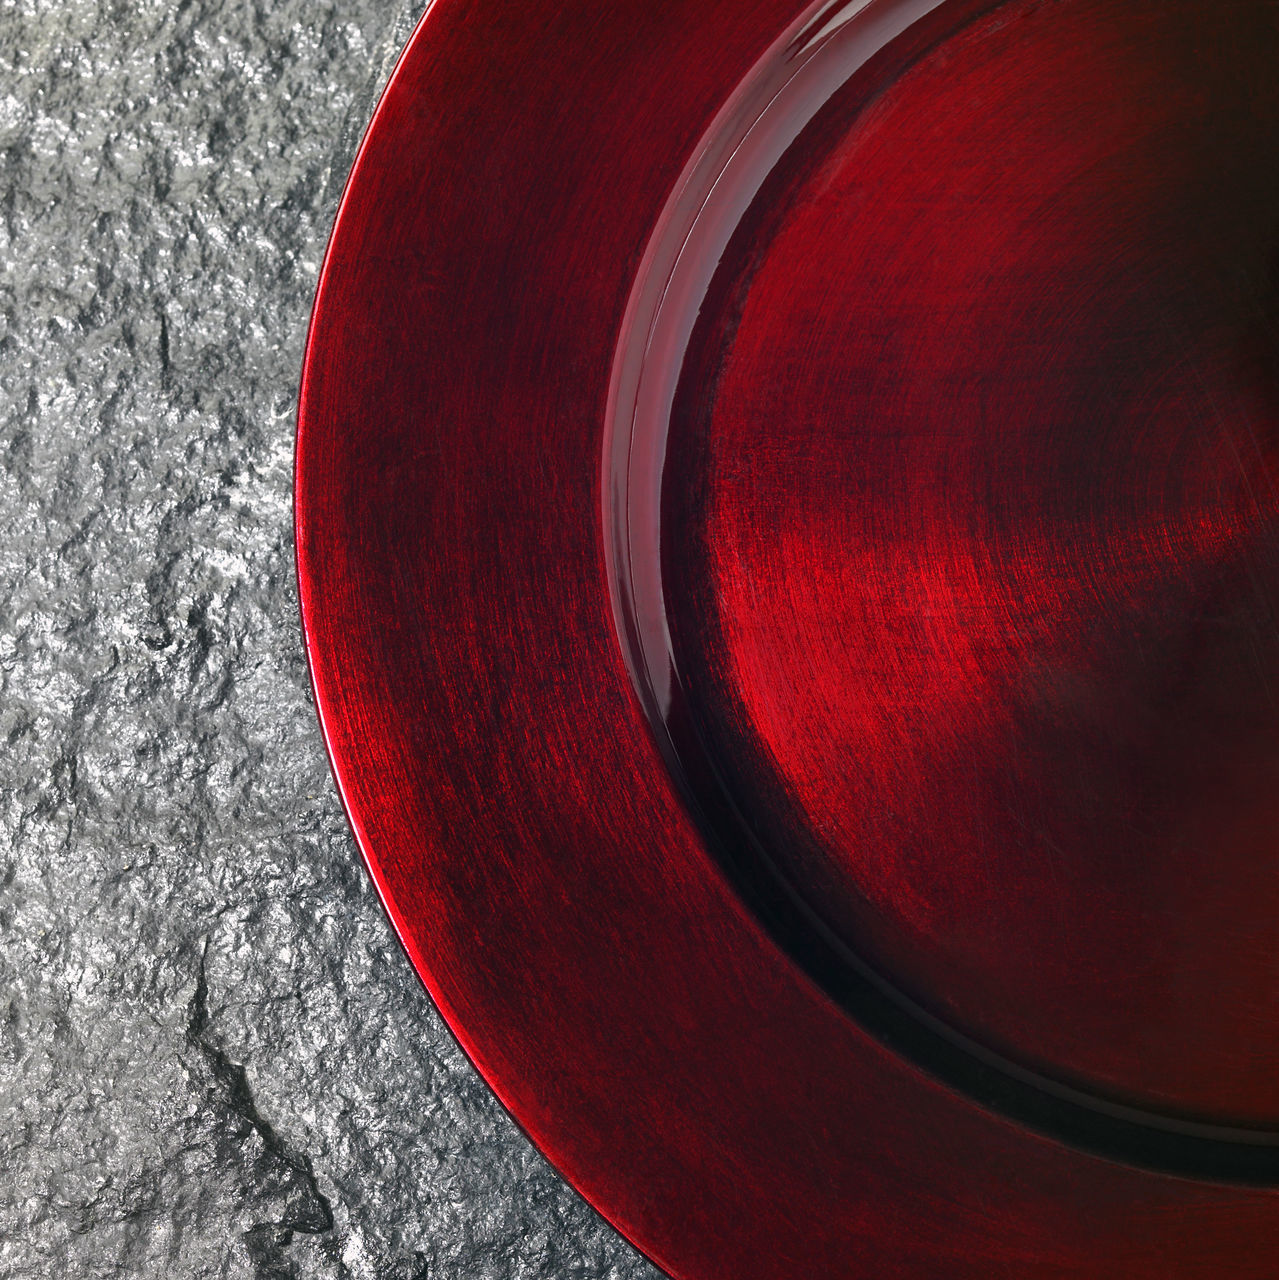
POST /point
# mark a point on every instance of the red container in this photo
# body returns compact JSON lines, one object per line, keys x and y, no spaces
{"x":788,"y":538}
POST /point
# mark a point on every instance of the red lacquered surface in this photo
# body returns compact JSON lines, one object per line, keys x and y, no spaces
{"x":969,"y":530}
{"x":954,"y":514}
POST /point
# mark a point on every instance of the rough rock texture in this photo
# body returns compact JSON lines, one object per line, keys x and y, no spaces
{"x":214,"y":1060}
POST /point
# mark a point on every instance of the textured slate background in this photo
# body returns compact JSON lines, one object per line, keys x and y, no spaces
{"x":214,"y":1060}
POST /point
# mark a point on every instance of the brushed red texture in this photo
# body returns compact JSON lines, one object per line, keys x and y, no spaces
{"x":974,"y":540}
{"x":505,"y":789}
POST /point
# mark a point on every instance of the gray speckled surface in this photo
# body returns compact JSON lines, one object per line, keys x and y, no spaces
{"x":214,"y":1060}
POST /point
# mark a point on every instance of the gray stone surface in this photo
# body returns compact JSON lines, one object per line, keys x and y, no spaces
{"x":214,"y":1060}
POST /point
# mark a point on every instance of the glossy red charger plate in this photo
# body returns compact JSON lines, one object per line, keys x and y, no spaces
{"x":788,"y":540}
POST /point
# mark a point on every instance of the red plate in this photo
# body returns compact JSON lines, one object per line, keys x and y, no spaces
{"x":788,"y":538}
